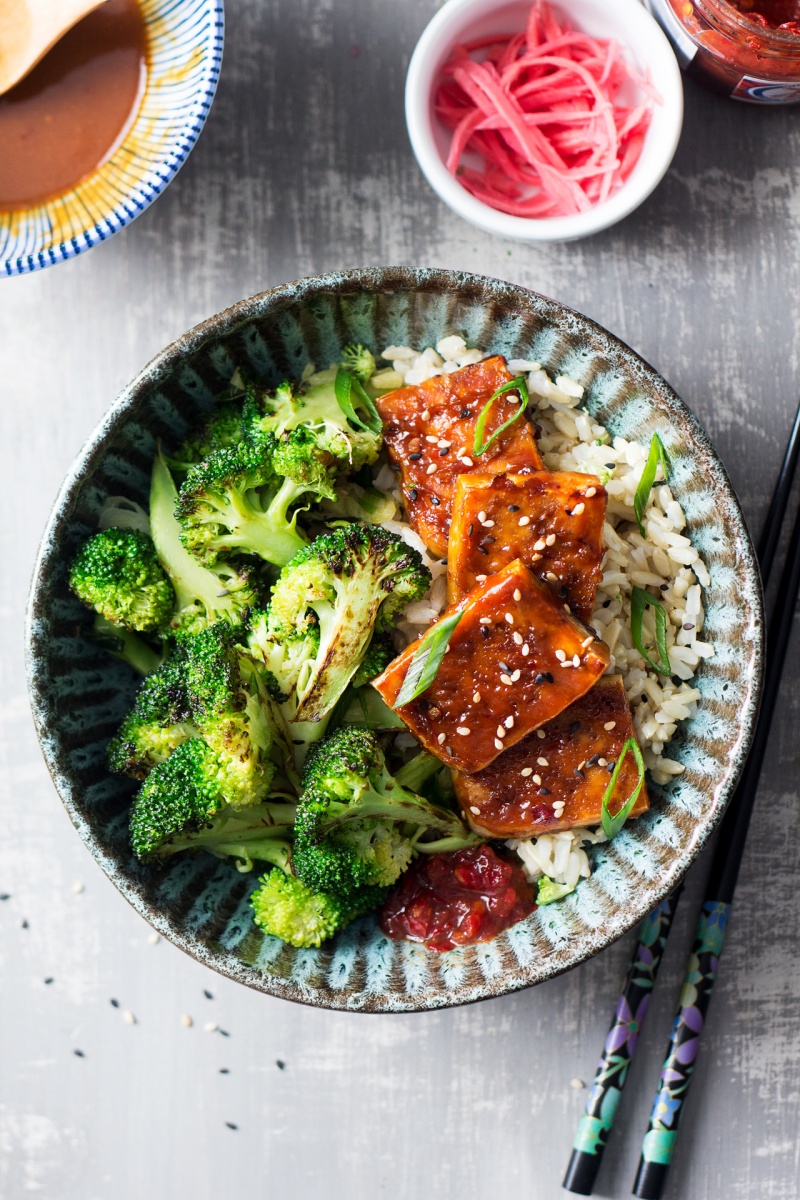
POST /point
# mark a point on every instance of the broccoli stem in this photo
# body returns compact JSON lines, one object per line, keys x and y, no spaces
{"x":259,"y":834}
{"x":126,"y":646}
{"x":401,"y":807}
{"x":417,"y":770}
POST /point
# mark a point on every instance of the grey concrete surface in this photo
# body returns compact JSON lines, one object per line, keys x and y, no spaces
{"x":304,"y":165}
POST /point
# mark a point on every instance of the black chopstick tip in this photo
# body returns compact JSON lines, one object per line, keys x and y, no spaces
{"x":581,"y":1173}
{"x":650,"y":1180}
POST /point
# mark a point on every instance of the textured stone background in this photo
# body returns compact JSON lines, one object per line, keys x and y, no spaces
{"x":305,"y":166}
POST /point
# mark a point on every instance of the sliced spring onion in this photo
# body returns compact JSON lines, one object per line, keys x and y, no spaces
{"x":640,"y":600}
{"x":613,"y":824}
{"x":513,"y":385}
{"x":427,"y":660}
{"x":348,"y":389}
{"x":657,"y":455}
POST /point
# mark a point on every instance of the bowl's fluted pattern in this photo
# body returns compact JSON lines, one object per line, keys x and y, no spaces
{"x":79,"y":696}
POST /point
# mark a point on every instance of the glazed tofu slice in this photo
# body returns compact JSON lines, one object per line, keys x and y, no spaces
{"x":429,"y":431}
{"x":516,"y":660}
{"x":552,"y":521}
{"x":556,"y":778}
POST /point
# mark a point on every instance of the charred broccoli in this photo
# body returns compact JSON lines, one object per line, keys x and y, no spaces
{"x":287,"y":908}
{"x":117,"y":573}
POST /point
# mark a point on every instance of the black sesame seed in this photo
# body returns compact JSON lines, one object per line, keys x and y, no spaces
{"x":444,"y":450}
{"x":5,"y":895}
{"x":414,"y":457}
{"x":224,"y":1071}
{"x":606,"y":603}
{"x":676,"y":681}
{"x":49,"y":979}
{"x":579,"y":773}
{"x":575,"y":726}
{"x":688,"y":625}
{"x":563,"y":591}
{"x":224,"y":1033}
{"x":280,"y":1064}
{"x":644,"y":699}
{"x":231,"y":1125}
{"x":610,"y":767}
{"x":664,"y":587}
{"x":435,"y":501}
{"x":424,"y":704}
{"x":484,"y":631}
{"x":79,"y":1054}
{"x":394,"y":467}
{"x":115,"y":1003}
{"x":487,"y":541}
{"x":609,"y":466}
{"x":413,"y":493}
{"x":540,"y":678}
{"x":548,"y":677}
{"x":470,"y":531}
{"x":543,"y":791}
{"x":24,"y":924}
{"x":513,"y":508}
{"x":207,"y":994}
{"x":483,"y":550}
{"x":593,"y":761}
{"x":465,"y":412}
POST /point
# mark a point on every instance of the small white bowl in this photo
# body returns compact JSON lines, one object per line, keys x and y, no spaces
{"x":624,"y":20}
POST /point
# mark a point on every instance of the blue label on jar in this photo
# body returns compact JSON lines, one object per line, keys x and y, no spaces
{"x":765,"y":91}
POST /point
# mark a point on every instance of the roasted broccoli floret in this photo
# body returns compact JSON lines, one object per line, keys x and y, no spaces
{"x":179,"y":796}
{"x":359,"y":361}
{"x":117,"y":573}
{"x":236,"y":501}
{"x":254,"y":835}
{"x":203,"y":594}
{"x":325,"y":606}
{"x":160,"y":720}
{"x":349,"y":431}
{"x":288,"y":909}
{"x":357,"y":825}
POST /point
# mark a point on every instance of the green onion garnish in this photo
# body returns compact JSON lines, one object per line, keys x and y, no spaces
{"x":427,"y":660}
{"x":640,"y":600}
{"x":657,"y":455}
{"x":613,"y":824}
{"x":348,"y":388}
{"x":513,"y":385}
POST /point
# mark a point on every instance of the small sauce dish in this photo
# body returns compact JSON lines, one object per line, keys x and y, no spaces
{"x":625,"y":21}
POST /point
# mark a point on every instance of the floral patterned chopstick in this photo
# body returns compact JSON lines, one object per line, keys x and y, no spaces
{"x":620,"y":1044}
{"x":612,"y":1071}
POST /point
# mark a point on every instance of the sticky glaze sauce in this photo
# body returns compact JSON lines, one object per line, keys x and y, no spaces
{"x":68,"y":116}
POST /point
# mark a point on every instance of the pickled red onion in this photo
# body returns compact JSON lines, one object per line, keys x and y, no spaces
{"x":540,"y":116}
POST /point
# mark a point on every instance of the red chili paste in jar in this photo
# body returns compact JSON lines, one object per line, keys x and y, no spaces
{"x":457,"y":899}
{"x":746,"y":49}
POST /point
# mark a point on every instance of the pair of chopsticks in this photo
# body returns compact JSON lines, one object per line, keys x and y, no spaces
{"x":620,"y":1044}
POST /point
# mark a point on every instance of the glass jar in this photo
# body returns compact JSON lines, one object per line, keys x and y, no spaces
{"x":745,"y":55}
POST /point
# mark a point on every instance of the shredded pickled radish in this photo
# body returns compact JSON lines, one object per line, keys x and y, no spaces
{"x":539,"y":124}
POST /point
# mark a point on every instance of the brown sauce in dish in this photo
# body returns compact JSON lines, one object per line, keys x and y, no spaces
{"x":67,"y":117}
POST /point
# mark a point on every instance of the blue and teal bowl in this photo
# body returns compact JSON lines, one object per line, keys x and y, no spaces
{"x":184,"y":55}
{"x":79,"y":696}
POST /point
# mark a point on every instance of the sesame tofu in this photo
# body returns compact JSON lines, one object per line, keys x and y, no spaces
{"x":429,"y":432}
{"x":556,"y":778}
{"x":552,"y":521}
{"x":515,"y":661}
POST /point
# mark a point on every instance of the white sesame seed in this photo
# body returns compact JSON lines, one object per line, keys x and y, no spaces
{"x":551,"y":575}
{"x":536,"y":558}
{"x":560,"y":655}
{"x":481,"y":516}
{"x":524,"y":521}
{"x":463,"y":730}
{"x":466,"y":461}
{"x":592,"y":491}
{"x":526,"y":771}
{"x":77,"y":888}
{"x":517,"y":594}
{"x":187,"y":1021}
{"x":501,"y":733}
{"x":481,"y":579}
{"x":609,"y":725}
{"x":517,"y":639}
{"x":506,"y":679}
{"x":602,"y":762}
{"x":542,"y":762}
{"x":487,"y":524}
{"x":509,"y":722}
{"x":476,"y":699}
{"x":498,"y":744}
{"x":587,"y":642}
{"x":550,"y":539}
{"x":431,"y":470}
{"x":566,"y":608}
{"x":128,"y":1017}
{"x":485,"y":621}
{"x":540,"y":545}
{"x":578,"y":509}
{"x":443,"y":445}
{"x":566,"y":664}
{"x":526,"y":651}
{"x":576,"y":660}
{"x":442,"y":738}
{"x":154,"y":938}
{"x":432,"y":440}
{"x":537,"y":779}
{"x":577,"y":1084}
{"x":426,"y":416}
{"x":211,"y":1027}
{"x":515,"y":676}
{"x":473,"y":809}
{"x":509,"y":619}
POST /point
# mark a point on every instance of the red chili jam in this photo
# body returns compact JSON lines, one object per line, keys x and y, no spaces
{"x":457,"y":899}
{"x":746,"y":49}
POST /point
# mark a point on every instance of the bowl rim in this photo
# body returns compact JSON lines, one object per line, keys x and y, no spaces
{"x":140,"y":193}
{"x":432,"y":46}
{"x":375,"y":280}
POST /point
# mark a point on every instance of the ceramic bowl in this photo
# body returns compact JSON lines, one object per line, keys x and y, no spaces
{"x":79,"y":695}
{"x":625,"y":21}
{"x":184,"y":54}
